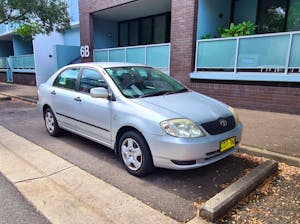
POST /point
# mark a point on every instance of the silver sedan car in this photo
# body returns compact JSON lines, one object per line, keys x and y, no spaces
{"x":144,"y":115}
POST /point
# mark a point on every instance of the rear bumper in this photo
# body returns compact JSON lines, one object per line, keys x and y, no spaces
{"x":169,"y":152}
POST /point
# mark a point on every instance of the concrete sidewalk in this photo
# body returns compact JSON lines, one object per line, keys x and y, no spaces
{"x":268,"y":134}
{"x":63,"y":192}
{"x":23,"y":92}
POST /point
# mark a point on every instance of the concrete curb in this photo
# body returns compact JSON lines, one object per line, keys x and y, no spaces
{"x":221,"y":202}
{"x":291,"y":160}
{"x":4,"y":98}
{"x":26,"y":99}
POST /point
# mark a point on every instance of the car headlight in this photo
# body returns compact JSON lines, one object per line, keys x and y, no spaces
{"x":235,"y":115}
{"x":182,"y":128}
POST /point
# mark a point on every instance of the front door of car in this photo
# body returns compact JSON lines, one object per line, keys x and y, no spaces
{"x":94,"y":114}
{"x":63,"y":99}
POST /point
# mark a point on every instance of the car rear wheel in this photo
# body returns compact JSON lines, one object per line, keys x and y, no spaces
{"x":135,"y":154}
{"x":51,"y":123}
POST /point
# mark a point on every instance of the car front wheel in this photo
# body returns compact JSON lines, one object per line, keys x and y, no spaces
{"x":135,"y":154}
{"x":51,"y":123}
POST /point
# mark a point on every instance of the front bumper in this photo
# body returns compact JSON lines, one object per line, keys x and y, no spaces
{"x":198,"y":151}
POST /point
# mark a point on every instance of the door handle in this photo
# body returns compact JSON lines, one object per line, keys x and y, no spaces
{"x":53,"y":92}
{"x":77,"y":99}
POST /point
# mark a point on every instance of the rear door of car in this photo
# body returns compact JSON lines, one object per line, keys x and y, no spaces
{"x":63,"y":97}
{"x":94,"y":114}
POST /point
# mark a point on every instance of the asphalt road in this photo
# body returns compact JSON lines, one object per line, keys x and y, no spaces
{"x":14,"y":208}
{"x":175,"y":193}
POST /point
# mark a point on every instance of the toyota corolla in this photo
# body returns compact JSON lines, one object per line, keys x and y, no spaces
{"x":144,"y":115}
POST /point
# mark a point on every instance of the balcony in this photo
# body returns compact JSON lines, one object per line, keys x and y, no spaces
{"x":22,"y":63}
{"x":3,"y":64}
{"x":156,"y":55}
{"x":267,"y":57}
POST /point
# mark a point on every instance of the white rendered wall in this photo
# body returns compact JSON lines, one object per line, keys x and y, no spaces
{"x":44,"y":55}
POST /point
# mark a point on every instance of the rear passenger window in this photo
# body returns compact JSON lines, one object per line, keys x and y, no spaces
{"x":67,"y":79}
{"x":91,"y":79}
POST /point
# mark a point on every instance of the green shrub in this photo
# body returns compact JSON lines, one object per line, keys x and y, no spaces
{"x":206,"y":36}
{"x":242,"y":29}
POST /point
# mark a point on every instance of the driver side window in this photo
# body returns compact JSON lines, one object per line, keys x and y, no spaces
{"x":91,"y":79}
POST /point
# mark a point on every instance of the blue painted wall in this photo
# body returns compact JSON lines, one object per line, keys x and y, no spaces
{"x":212,"y":14}
{"x":245,"y":10}
{"x":66,"y":54}
{"x":6,"y":48}
{"x":105,"y":34}
{"x":72,"y":37}
{"x":22,"y":47}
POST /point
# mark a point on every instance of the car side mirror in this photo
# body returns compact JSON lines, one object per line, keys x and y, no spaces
{"x":99,"y":92}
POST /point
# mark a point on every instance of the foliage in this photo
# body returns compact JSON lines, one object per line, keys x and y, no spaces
{"x":32,"y":17}
{"x":206,"y":36}
{"x":272,"y":19}
{"x":248,"y":28}
{"x":242,"y":29}
{"x":221,"y":30}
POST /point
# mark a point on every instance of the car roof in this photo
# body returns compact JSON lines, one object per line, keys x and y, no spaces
{"x":109,"y":64}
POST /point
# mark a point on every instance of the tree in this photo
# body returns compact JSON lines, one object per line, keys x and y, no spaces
{"x":32,"y":17}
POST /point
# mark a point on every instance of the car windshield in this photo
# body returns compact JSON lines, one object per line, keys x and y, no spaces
{"x":138,"y":82}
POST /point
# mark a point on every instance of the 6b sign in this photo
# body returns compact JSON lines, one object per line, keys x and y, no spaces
{"x":85,"y":51}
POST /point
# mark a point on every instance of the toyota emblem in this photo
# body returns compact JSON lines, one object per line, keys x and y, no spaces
{"x":223,"y":122}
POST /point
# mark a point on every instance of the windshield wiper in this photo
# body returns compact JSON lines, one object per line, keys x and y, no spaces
{"x":164,"y":92}
{"x":181,"y":91}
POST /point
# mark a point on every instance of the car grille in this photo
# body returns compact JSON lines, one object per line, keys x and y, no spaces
{"x":215,"y":128}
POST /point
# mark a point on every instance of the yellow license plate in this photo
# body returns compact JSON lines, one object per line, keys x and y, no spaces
{"x":227,"y":144}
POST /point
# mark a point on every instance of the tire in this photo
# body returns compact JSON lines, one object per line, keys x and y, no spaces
{"x":135,"y":154}
{"x":51,"y":123}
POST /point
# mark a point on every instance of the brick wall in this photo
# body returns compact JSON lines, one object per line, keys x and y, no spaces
{"x":276,"y":97}
{"x":183,"y":38}
{"x":2,"y":77}
{"x":24,"y":79}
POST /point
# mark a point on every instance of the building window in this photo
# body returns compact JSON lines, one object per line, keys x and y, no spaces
{"x":293,"y":19}
{"x":159,"y":29}
{"x":133,"y":32}
{"x":272,"y":16}
{"x":146,"y":30}
{"x":123,"y":34}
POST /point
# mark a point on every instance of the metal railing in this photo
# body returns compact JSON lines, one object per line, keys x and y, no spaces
{"x":265,"y":53}
{"x":155,"y":55}
{"x":3,"y":63}
{"x":23,"y":63}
